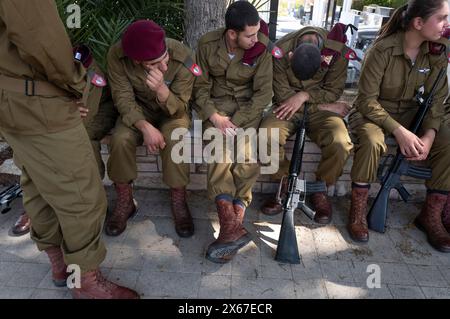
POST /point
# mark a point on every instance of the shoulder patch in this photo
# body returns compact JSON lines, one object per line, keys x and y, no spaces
{"x":195,"y":69}
{"x":96,"y":79}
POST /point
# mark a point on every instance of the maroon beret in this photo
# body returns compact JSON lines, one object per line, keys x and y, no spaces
{"x":144,"y":40}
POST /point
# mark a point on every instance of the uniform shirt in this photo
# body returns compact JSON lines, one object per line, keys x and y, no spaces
{"x":389,"y":82}
{"x":131,"y":94}
{"x":326,"y":86}
{"x":34,"y":44}
{"x":227,"y":82}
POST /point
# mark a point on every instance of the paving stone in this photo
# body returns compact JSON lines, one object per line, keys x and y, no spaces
{"x":436,"y":293}
{"x":355,"y":291}
{"x":336,"y":270}
{"x":261,"y":288}
{"x":428,"y":276}
{"x":215,"y":287}
{"x":166,"y":284}
{"x":28,"y":276}
{"x":49,"y":294}
{"x":310,"y":289}
{"x":406,"y":292}
{"x":390,"y":273}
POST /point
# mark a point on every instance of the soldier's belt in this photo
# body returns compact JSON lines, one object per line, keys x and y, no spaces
{"x":30,"y":87}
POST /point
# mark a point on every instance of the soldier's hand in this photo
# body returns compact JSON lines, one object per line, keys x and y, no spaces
{"x":82,"y":109}
{"x":224,"y":124}
{"x":428,"y":140}
{"x":410,"y":145}
{"x":340,"y":108}
{"x":153,"y":139}
{"x":289,"y":107}
{"x":155,"y":79}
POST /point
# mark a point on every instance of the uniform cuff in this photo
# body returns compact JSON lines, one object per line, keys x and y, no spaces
{"x":390,"y":125}
{"x":170,"y":105}
{"x":237,"y":119}
{"x":131,"y":118}
{"x":431,"y":124}
{"x":207,"y":110}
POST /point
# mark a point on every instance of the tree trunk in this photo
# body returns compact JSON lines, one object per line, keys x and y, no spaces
{"x":202,"y":17}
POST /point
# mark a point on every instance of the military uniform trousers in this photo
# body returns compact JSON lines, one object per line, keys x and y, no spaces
{"x":234,"y":172}
{"x":63,"y":193}
{"x":98,"y":126}
{"x":122,"y":166}
{"x":326,"y":129}
{"x":370,"y":146}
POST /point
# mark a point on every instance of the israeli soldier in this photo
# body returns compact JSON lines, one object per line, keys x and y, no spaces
{"x":394,"y":70}
{"x":151,"y":80}
{"x":232,"y":93}
{"x":99,"y":117}
{"x":325,"y":126}
{"x":63,"y":193}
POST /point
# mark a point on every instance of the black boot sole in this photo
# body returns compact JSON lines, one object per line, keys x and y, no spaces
{"x":223,"y":253}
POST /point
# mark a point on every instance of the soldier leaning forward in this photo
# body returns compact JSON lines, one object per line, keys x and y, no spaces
{"x":325,"y":125}
{"x":232,"y":93}
{"x":39,"y":119}
{"x":406,"y":57}
{"x":151,"y":79}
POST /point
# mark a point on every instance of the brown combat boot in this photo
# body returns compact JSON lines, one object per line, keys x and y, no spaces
{"x":182,"y":218}
{"x":274,"y":205}
{"x":22,"y":225}
{"x":357,"y":220}
{"x":430,"y":221}
{"x":232,"y":235}
{"x":322,"y":206}
{"x":59,"y":267}
{"x":94,"y":286}
{"x":125,"y":208}
{"x":446,"y":215}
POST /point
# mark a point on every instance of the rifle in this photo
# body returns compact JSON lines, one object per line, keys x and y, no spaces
{"x":400,"y":166}
{"x":287,"y":248}
{"x":9,"y":195}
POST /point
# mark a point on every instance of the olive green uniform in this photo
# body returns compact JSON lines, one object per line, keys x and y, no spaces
{"x":325,"y":128}
{"x":100,"y":121}
{"x":240,"y":91}
{"x":135,"y":101}
{"x":63,"y":193}
{"x":387,"y":87}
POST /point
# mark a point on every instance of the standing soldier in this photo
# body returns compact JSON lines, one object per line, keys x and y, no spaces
{"x":40,"y":121}
{"x":151,"y":80}
{"x":232,"y":93}
{"x":325,"y":123}
{"x":406,"y":57}
{"x":99,"y":116}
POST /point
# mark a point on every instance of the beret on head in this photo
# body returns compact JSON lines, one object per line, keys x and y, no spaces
{"x":305,"y":61}
{"x":144,"y":40}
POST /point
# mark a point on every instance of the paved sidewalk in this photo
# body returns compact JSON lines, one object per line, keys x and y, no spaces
{"x":152,"y":259}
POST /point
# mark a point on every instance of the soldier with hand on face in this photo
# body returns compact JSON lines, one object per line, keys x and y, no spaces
{"x":151,"y":79}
